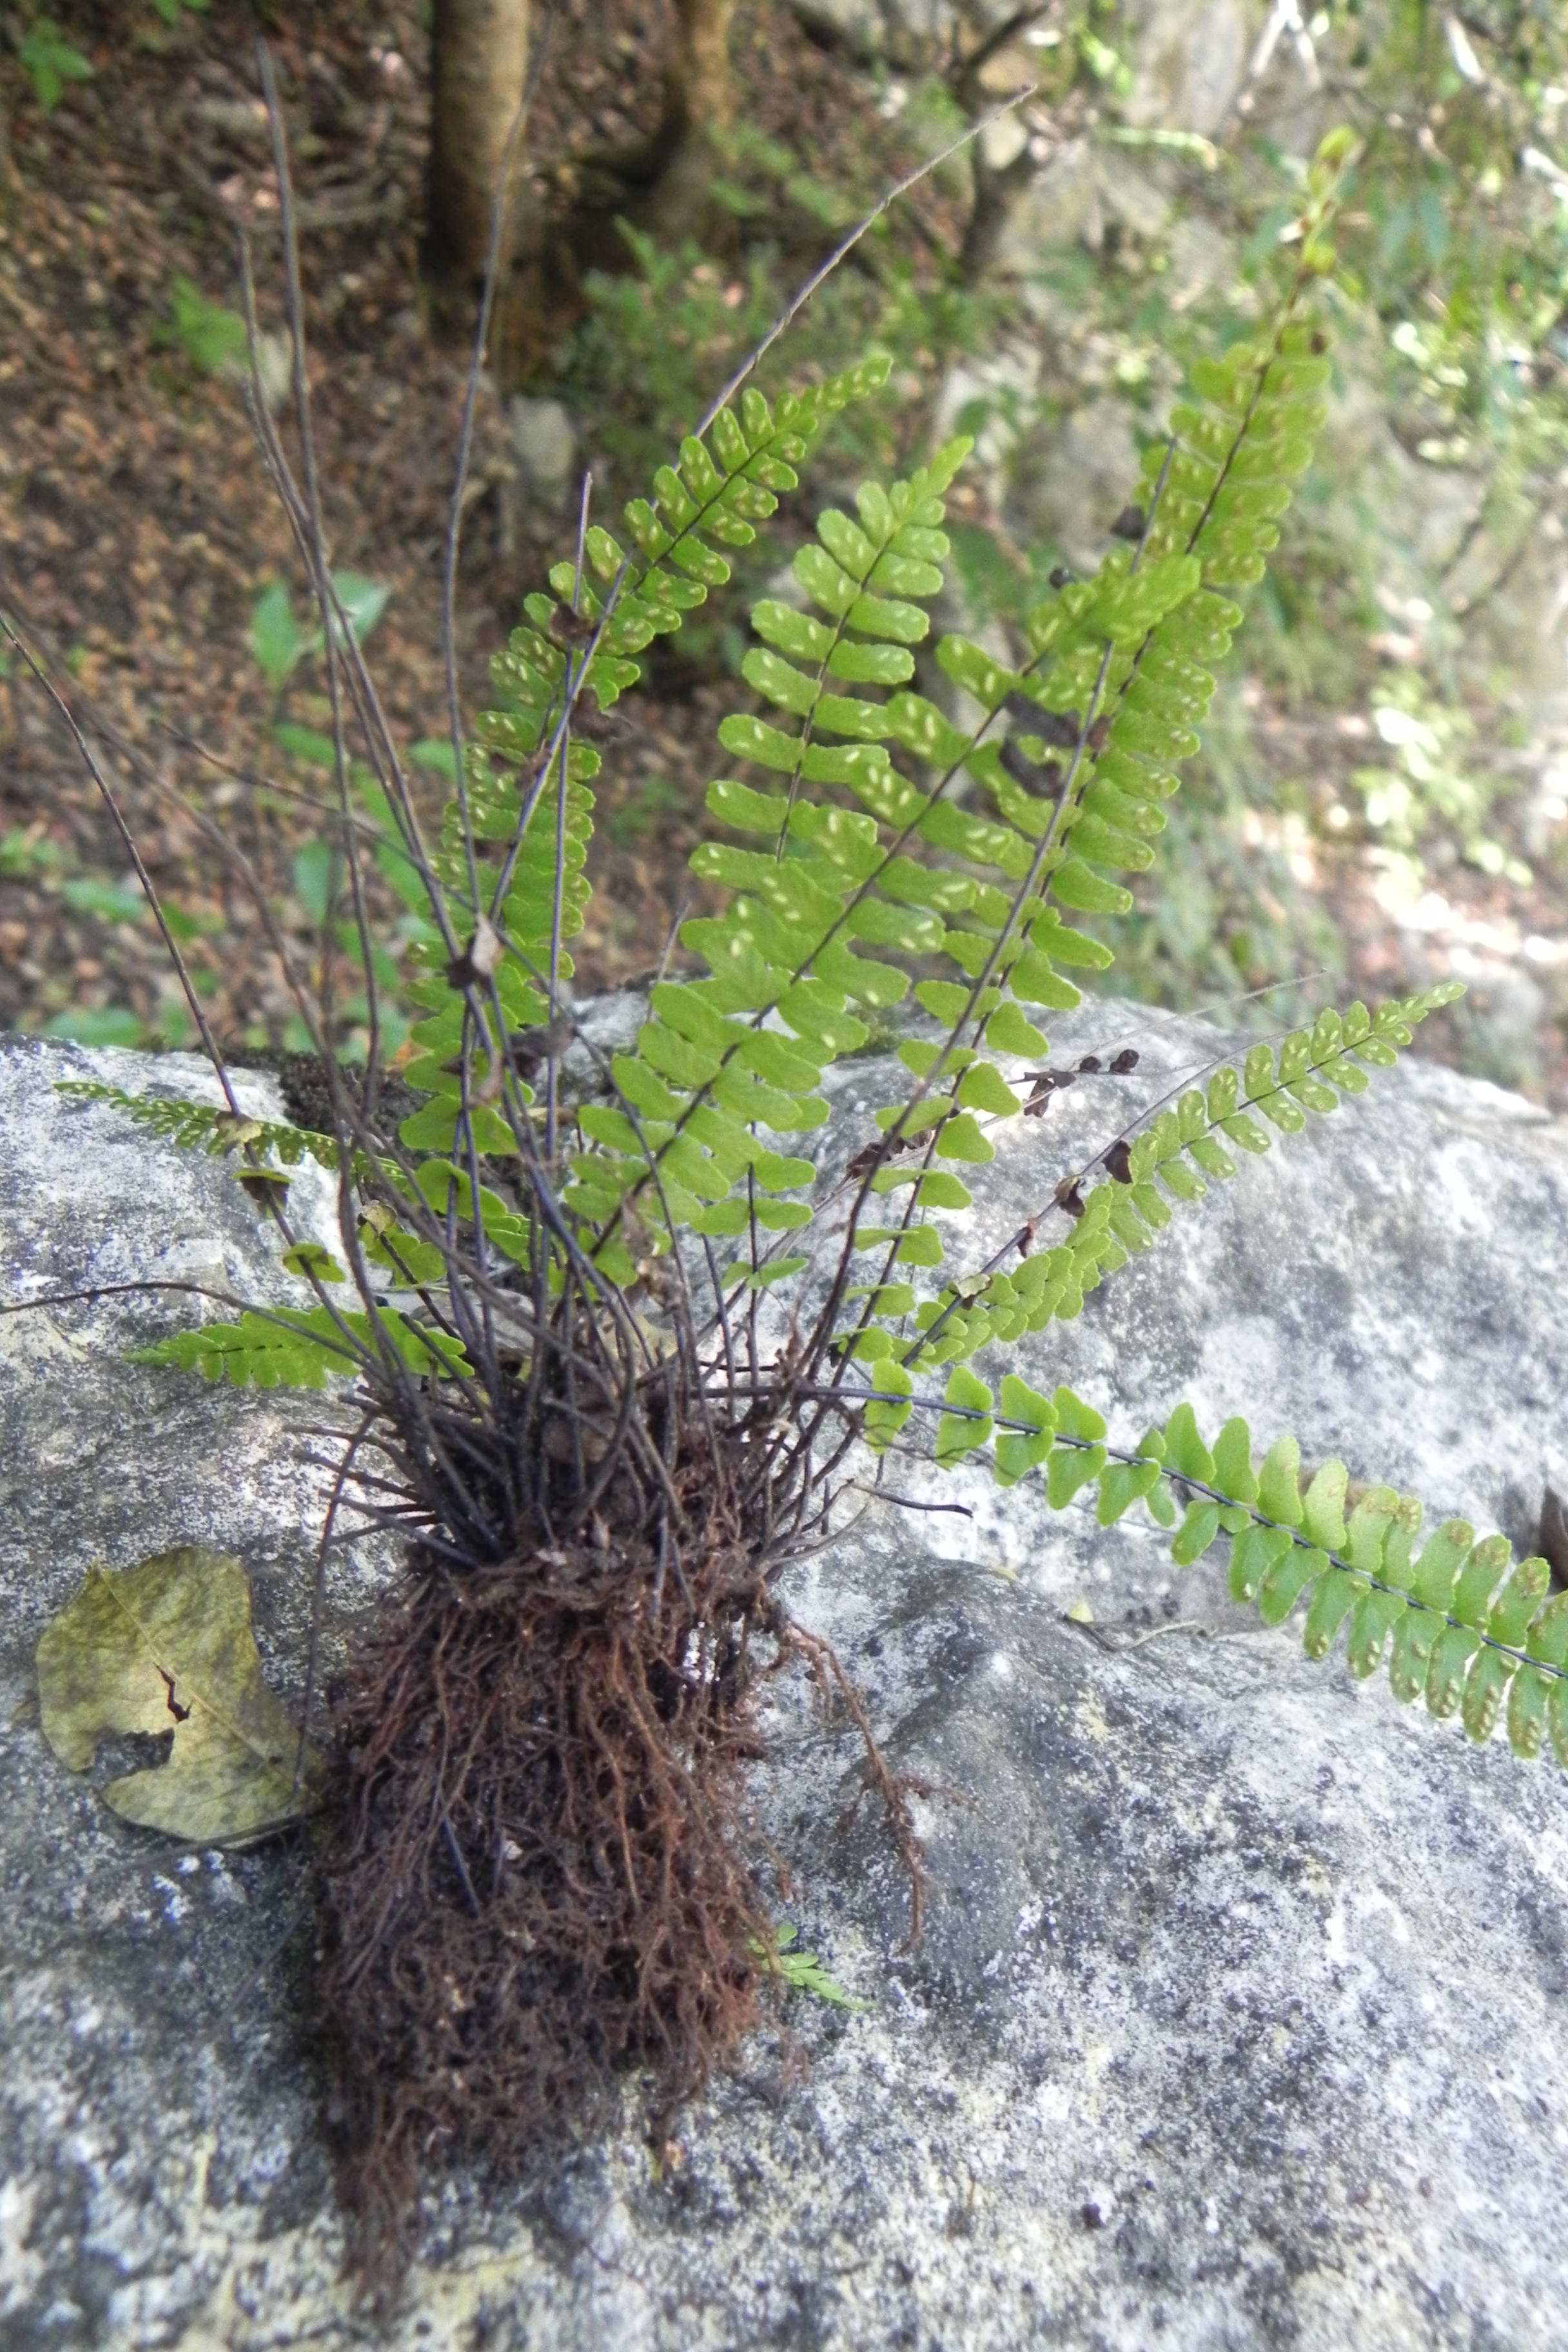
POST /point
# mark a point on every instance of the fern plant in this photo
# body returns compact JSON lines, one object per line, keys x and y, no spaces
{"x":618,"y":1358}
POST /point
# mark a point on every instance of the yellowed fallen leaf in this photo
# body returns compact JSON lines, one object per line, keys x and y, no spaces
{"x":168,"y":1645}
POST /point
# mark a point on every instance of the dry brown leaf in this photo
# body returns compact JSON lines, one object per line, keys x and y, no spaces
{"x":167,"y":1646}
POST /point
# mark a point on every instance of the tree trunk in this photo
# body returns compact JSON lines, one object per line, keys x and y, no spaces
{"x":997,"y":186}
{"x":478,"y":66}
{"x":700,"y":108}
{"x":996,"y":193}
{"x":660,"y":182}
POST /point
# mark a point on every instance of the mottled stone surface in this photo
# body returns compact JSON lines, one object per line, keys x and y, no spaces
{"x":1238,"y":2017}
{"x":1187,"y":56}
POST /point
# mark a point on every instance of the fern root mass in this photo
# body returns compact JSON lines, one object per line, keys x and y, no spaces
{"x":536,"y":1877}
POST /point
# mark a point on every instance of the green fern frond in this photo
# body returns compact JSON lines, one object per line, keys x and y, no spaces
{"x":1115,"y":682}
{"x":850,"y":855}
{"x":719,"y":492}
{"x":1458,"y":1622}
{"x":707,"y":1074}
{"x":722,"y":487}
{"x":215,"y":1129}
{"x":800,"y":1970}
{"x":300,"y":1348}
{"x":1168,"y":1165}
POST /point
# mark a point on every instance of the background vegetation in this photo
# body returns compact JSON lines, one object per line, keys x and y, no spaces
{"x":1383,"y":792}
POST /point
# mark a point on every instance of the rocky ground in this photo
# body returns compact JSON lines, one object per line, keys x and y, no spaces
{"x":1236,"y":2018}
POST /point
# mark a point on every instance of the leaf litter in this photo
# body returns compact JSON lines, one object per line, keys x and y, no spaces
{"x":165,"y":1647}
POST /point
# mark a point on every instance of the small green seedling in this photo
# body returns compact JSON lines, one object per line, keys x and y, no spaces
{"x":801,"y":1972}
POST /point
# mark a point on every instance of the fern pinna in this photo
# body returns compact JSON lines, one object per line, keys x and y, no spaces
{"x":1462,"y":1626}
{"x":880,"y":849}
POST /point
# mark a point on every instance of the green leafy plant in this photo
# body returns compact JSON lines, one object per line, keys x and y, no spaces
{"x":318,"y":873}
{"x":801,"y":1972}
{"x":213,"y":1130}
{"x":99,"y":1025}
{"x":112,"y":902}
{"x":646,"y":810}
{"x":279,"y":644}
{"x":26,"y":855}
{"x":1450,"y":407}
{"x":50,"y":61}
{"x":636,"y":366}
{"x":212,"y":338}
{"x":622,"y":1339}
{"x":1429,"y":785}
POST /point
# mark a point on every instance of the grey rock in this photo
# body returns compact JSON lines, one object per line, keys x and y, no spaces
{"x":274,"y":367}
{"x":908,"y":32}
{"x":545,"y":443}
{"x":1084,"y":475}
{"x":1189,"y":57}
{"x":1238,"y":2018}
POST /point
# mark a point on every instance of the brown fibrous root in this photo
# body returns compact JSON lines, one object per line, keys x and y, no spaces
{"x":877,"y":1777}
{"x":536,"y":1879}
